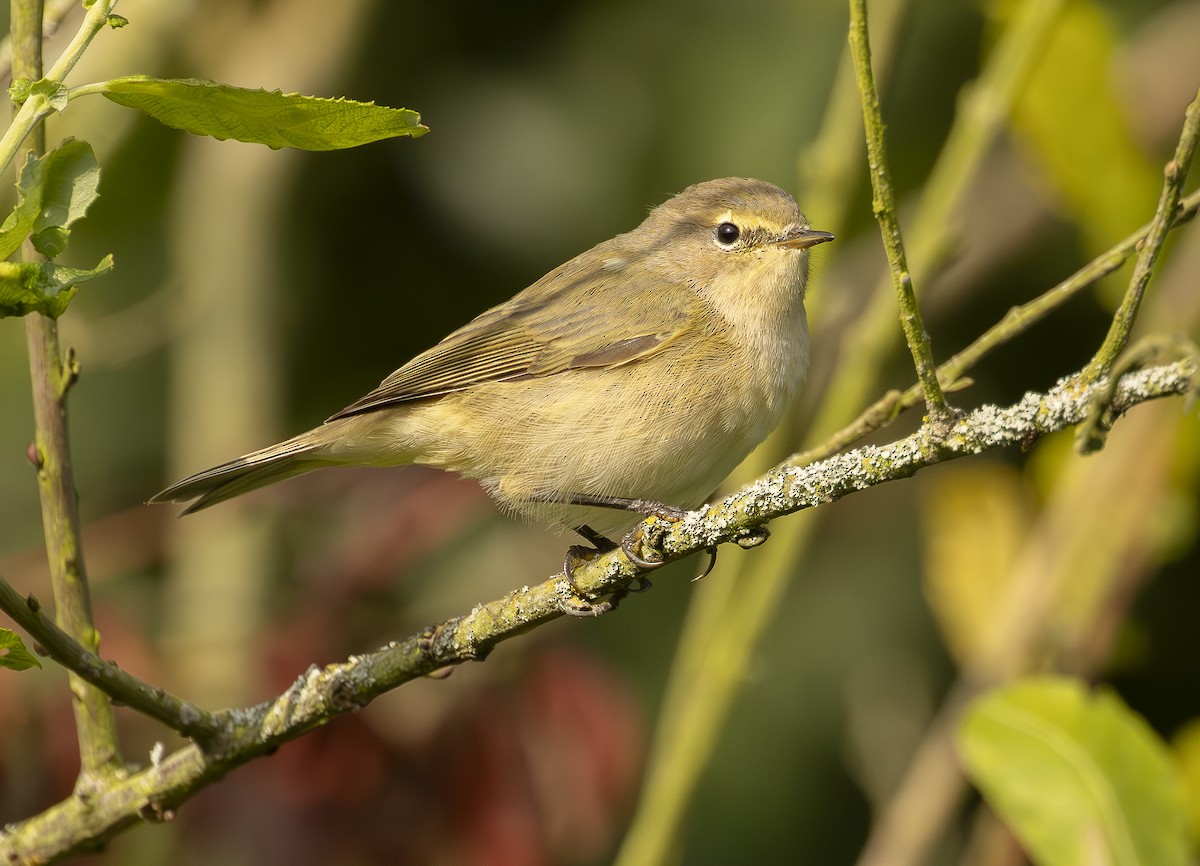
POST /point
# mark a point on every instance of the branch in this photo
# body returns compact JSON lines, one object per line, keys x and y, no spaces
{"x":788,"y":489}
{"x":832,"y":161}
{"x":322,"y":694}
{"x":985,"y":105}
{"x":1174,"y":175}
{"x":51,"y":376}
{"x":179,"y":715}
{"x":1018,"y":320}
{"x":883,"y":202}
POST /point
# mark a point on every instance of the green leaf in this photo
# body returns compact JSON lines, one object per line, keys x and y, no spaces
{"x":1078,"y":776}
{"x":13,"y":654}
{"x":18,"y":224}
{"x":18,"y":91}
{"x":42,"y":287}
{"x":54,"y":191}
{"x":72,"y":177}
{"x":271,"y":118}
{"x":54,"y":93}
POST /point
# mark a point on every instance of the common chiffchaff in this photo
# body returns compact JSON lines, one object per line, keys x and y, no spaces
{"x":636,"y":375}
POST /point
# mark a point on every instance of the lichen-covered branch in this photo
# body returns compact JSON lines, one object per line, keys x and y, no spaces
{"x":788,"y":489}
{"x":322,"y":694}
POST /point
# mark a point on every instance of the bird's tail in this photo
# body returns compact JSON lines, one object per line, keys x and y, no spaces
{"x":285,"y":460}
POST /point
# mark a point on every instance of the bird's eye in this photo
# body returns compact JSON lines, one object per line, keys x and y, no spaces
{"x":727,"y":234}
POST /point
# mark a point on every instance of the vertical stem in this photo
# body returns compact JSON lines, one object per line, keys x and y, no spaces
{"x":30,"y":115}
{"x":984,"y":107}
{"x":831,"y":163}
{"x":51,"y":378}
{"x":1175,"y":174}
{"x":884,"y":204}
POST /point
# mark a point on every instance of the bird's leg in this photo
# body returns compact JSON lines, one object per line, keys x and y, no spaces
{"x":639,"y":506}
{"x":633,"y":538}
{"x":576,"y":553}
{"x":605,"y":544}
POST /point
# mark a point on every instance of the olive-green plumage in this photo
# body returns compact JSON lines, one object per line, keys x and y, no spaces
{"x":645,"y":368}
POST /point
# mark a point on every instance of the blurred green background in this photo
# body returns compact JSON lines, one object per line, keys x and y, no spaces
{"x":256,"y":292}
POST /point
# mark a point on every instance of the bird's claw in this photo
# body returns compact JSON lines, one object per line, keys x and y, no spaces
{"x":572,"y":602}
{"x":636,"y":538}
{"x":712,"y":563}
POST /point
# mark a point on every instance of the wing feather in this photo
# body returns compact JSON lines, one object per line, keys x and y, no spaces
{"x":577,"y":316}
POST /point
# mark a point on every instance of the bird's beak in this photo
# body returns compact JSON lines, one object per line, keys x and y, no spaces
{"x":803,"y":238}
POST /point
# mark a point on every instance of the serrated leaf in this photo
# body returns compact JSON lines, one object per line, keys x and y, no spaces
{"x":54,"y":191}
{"x":1078,"y":776}
{"x":18,"y":90}
{"x":264,"y":117}
{"x":18,"y":224}
{"x":13,"y":654}
{"x":55,"y":93}
{"x":42,"y":287}
{"x":71,"y":183}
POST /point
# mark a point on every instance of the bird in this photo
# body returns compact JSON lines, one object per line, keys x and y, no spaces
{"x":629,"y":380}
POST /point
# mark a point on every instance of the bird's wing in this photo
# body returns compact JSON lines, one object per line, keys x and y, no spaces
{"x":568,"y":320}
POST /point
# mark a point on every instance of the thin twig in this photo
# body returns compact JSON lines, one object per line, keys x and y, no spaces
{"x":97,"y":18}
{"x":179,"y":715}
{"x":1092,"y":434}
{"x":985,"y":105}
{"x":832,"y":161}
{"x":1018,"y":320}
{"x":883,"y":202}
{"x":1174,"y":175}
